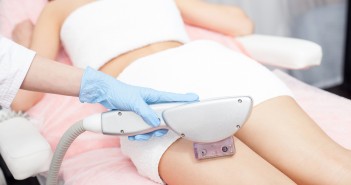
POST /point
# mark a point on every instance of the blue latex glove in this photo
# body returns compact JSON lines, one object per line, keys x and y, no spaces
{"x":97,"y":87}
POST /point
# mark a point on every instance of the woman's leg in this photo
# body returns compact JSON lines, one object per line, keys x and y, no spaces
{"x":280,"y":132}
{"x":179,"y":166}
{"x":283,"y":134}
{"x":23,"y":32}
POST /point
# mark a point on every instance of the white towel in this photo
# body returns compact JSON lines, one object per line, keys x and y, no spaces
{"x":102,"y":30}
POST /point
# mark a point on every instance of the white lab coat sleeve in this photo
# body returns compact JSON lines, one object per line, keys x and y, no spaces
{"x":15,"y":61}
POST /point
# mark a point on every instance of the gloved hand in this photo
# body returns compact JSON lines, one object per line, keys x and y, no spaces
{"x":97,"y":87}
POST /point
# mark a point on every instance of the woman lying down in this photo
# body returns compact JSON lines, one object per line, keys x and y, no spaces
{"x":144,"y":43}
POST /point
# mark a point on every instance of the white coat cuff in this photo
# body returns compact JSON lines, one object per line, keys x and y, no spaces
{"x":15,"y":61}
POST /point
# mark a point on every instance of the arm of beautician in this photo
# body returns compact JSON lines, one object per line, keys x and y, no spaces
{"x":93,"y":86}
{"x":45,"y":75}
{"x":282,"y":52}
{"x":21,"y":144}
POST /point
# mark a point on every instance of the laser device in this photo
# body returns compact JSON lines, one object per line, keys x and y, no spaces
{"x":210,"y":124}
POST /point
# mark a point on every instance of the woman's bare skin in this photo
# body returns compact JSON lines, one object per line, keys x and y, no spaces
{"x":22,"y":33}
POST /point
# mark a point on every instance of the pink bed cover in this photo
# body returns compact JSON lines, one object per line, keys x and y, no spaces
{"x":97,"y":159}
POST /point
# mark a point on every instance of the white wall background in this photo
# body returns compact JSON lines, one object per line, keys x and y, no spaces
{"x":321,"y":21}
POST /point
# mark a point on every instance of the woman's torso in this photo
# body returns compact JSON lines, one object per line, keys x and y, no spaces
{"x":117,"y":64}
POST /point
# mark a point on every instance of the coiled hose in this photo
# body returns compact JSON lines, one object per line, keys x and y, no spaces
{"x":67,"y":139}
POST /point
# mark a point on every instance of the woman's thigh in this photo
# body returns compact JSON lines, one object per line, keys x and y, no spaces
{"x":179,"y":166}
{"x":285,"y":136}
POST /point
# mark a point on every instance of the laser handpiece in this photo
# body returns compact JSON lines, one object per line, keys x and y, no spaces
{"x":204,"y":121}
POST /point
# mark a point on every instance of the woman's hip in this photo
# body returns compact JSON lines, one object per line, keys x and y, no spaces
{"x":206,"y":68}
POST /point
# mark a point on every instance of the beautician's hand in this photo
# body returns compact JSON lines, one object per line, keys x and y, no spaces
{"x":97,"y":87}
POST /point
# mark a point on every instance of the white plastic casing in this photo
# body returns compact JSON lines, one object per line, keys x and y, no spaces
{"x":209,"y":121}
{"x":204,"y":121}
